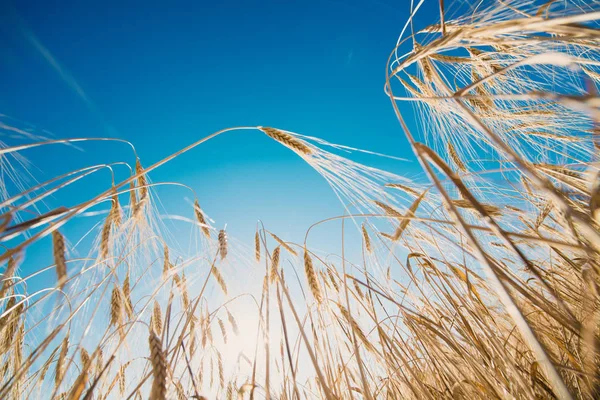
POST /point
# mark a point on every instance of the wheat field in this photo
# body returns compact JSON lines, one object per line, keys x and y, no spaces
{"x":479,"y":281}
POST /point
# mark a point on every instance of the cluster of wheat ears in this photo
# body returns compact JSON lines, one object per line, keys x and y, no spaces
{"x":480,"y":281}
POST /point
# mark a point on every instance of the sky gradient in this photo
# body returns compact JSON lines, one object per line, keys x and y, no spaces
{"x":164,"y":74}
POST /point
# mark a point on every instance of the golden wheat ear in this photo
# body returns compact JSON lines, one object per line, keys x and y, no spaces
{"x":287,"y":140}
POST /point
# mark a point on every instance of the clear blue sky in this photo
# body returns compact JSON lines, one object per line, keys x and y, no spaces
{"x":163,"y":74}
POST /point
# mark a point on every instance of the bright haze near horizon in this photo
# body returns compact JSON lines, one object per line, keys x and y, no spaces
{"x":164,"y":74}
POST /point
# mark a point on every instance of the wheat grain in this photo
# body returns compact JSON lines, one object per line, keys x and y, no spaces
{"x":284,"y":244}
{"x":159,"y":368}
{"x":311,"y":276}
{"x":366,"y":238}
{"x":287,"y":140}
{"x":275,"y":264}
{"x":455,"y":158}
{"x":257,"y":247}
{"x":141,"y":180}
{"x":200,"y":219}
{"x":58,"y":249}
{"x":233,"y":323}
{"x":222,"y":244}
{"x":219,"y":278}
{"x":402,"y":187}
{"x":389,"y":211}
{"x":157,"y":322}
{"x":116,"y":307}
{"x":223,"y":330}
{"x":60,"y":362}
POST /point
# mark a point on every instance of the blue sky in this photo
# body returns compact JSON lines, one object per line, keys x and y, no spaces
{"x":164,"y":74}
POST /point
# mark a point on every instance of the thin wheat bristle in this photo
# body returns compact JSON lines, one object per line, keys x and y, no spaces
{"x":58,"y":249}
{"x":311,"y":276}
{"x":159,"y":368}
{"x":200,"y":219}
{"x":284,"y":245}
{"x":287,"y":140}
{"x":222,"y":244}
